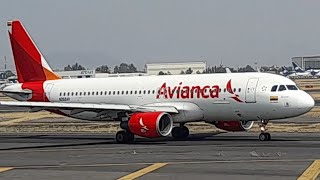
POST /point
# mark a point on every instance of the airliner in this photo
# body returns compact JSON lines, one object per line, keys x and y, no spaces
{"x":297,"y":73}
{"x":309,"y":71}
{"x":153,"y":106}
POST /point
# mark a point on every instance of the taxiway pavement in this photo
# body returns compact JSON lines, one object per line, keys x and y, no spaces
{"x":203,"y":156}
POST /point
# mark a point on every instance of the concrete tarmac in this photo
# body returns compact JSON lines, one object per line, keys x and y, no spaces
{"x":202,"y":156}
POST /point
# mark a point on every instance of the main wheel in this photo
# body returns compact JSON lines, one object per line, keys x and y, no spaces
{"x":180,"y":132}
{"x":184,"y":131}
{"x":121,"y":137}
{"x":130,"y":137}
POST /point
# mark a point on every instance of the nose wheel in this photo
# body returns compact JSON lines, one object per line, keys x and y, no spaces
{"x":264,"y":136}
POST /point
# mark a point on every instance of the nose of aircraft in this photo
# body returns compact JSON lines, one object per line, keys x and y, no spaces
{"x":306,"y":103}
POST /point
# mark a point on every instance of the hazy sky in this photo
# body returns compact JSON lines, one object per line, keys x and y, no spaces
{"x":144,"y":31}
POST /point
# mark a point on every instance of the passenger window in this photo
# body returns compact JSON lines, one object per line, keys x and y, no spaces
{"x":153,"y":91}
{"x":97,"y":93}
{"x":219,"y":89}
{"x":131,"y":92}
{"x":139,"y":92}
{"x":76,"y":93}
{"x":80,"y":93}
{"x":282,"y":88}
{"x":274,"y":88}
{"x":292,"y":87}
{"x":114,"y":92}
{"x":135,"y":92}
{"x":148,"y":91}
{"x":224,"y":90}
{"x":101,"y":93}
{"x":84,"y":93}
{"x":118,"y":92}
{"x":239,"y":90}
{"x":105,"y":93}
{"x":68,"y":94}
{"x":122,"y":92}
{"x":109,"y":92}
{"x":127,"y":92}
{"x":88,"y":93}
{"x":234,"y":90}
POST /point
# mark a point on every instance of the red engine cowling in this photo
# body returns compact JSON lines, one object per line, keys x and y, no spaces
{"x":234,"y":125}
{"x":151,"y":124}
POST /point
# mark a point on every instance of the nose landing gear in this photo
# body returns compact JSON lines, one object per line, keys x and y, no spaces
{"x":264,"y":136}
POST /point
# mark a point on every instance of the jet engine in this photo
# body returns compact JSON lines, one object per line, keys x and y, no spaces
{"x":151,"y":124}
{"x":234,"y":125}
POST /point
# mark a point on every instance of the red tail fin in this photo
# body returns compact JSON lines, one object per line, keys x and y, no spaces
{"x":31,"y":66}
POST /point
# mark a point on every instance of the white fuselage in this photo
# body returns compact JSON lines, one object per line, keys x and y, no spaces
{"x":249,"y":99}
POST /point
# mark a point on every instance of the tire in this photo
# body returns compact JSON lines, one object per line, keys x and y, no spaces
{"x":268,"y":136}
{"x":175,"y":132}
{"x":184,"y":132}
{"x":263,"y":137}
{"x":130,"y":137}
{"x":122,"y":137}
{"x":180,"y":132}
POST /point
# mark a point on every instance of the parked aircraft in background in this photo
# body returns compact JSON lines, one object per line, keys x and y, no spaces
{"x":309,"y":71}
{"x":153,"y":106}
{"x":296,"y":74}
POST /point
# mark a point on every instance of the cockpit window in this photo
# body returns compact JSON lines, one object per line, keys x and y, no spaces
{"x":292,"y":87}
{"x":274,"y":88}
{"x":282,"y":88}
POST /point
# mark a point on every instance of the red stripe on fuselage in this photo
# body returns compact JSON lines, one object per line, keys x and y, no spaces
{"x":38,"y":93}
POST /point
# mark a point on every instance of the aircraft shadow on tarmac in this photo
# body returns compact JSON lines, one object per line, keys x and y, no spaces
{"x":101,"y":140}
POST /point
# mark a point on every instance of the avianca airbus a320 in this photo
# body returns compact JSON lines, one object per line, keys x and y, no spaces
{"x":153,"y":106}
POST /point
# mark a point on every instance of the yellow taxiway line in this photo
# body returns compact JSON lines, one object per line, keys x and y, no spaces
{"x":2,"y":169}
{"x":311,"y":172}
{"x":143,"y":171}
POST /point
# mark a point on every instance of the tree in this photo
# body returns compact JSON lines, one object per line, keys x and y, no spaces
{"x":74,"y":67}
{"x":248,"y":68}
{"x":161,"y":73}
{"x":198,"y":72}
{"x":116,"y":69}
{"x":125,"y":68}
{"x":182,"y":72}
{"x":189,"y":71}
{"x":103,"y":69}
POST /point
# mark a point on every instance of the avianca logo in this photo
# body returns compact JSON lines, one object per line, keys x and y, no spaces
{"x":235,"y":96}
{"x":187,"y":92}
{"x":144,"y":128}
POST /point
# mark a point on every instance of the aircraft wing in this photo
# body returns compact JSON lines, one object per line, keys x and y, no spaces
{"x":38,"y":106}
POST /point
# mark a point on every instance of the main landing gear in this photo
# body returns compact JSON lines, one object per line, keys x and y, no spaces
{"x":264,"y":136}
{"x":124,"y":136}
{"x":180,"y":132}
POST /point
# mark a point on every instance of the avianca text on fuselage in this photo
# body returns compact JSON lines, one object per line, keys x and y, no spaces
{"x":188,"y":92}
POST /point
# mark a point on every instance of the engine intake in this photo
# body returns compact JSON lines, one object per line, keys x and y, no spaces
{"x":151,"y":124}
{"x":234,"y":125}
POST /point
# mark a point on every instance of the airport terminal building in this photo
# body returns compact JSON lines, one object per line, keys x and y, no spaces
{"x":175,"y":68}
{"x":306,"y":62}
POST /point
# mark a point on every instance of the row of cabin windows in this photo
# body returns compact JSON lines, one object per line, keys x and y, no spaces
{"x":128,"y":92}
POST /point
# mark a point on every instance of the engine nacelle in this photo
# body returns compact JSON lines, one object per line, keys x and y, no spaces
{"x":234,"y":125}
{"x":151,"y":124}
